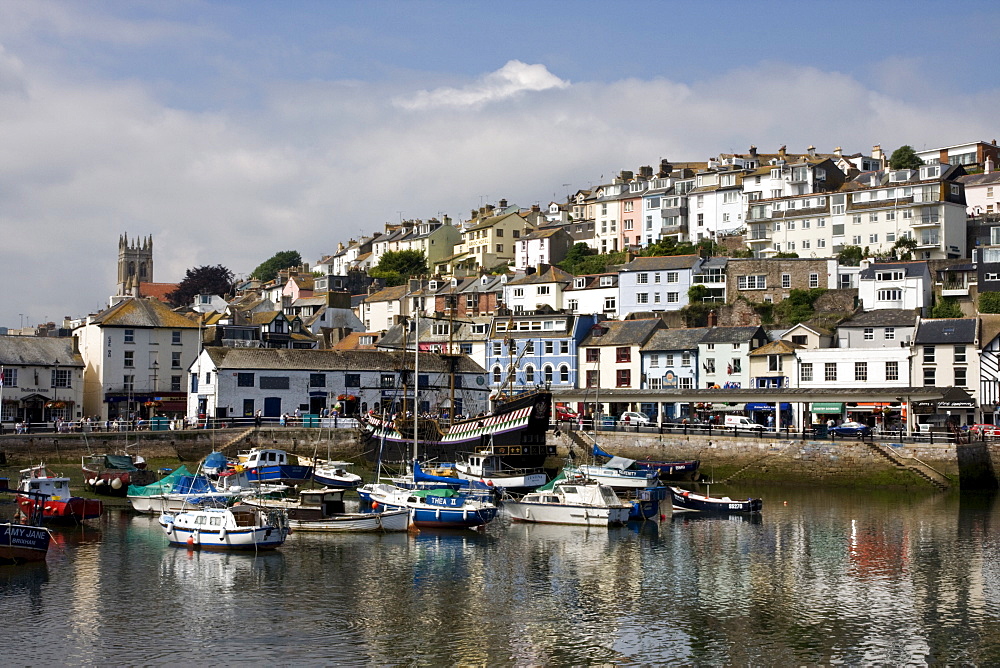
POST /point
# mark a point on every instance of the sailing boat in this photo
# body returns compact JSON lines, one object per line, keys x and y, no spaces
{"x":444,"y":507}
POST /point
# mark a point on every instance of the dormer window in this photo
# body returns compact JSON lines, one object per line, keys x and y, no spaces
{"x":605,"y":281}
{"x":930,"y":171}
{"x":579,"y":282}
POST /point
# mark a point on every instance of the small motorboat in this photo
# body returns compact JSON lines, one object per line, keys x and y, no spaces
{"x":27,"y":542}
{"x":620,"y":473}
{"x":486,"y":467}
{"x":332,"y":474}
{"x":180,"y":490}
{"x":324,"y":510}
{"x":571,"y":499}
{"x":443,"y":508}
{"x":682,"y":470}
{"x":241,"y":527}
{"x":273,"y":465}
{"x":60,"y":506}
{"x":112,"y":474}
{"x":684,"y":500}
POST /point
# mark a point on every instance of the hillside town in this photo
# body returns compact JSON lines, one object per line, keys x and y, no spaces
{"x":682,"y":291}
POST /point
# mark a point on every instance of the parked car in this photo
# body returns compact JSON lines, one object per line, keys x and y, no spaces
{"x":565,"y":414}
{"x":633,"y":418}
{"x":851,"y":429}
{"x":985,"y":430}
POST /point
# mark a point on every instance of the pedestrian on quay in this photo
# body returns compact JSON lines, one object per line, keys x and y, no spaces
{"x":257,"y":419}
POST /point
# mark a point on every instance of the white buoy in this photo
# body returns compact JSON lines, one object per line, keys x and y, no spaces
{"x":116,"y":483}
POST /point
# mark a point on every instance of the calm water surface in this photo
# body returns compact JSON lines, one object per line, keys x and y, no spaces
{"x":822,"y":577}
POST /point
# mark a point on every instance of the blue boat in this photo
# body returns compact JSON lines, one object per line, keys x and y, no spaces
{"x":684,"y":470}
{"x":645,"y":502}
{"x":443,"y":508}
{"x":273,"y":465}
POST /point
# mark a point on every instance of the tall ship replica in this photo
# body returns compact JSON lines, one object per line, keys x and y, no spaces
{"x":513,"y":430}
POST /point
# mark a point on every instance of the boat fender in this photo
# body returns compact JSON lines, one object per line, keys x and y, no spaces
{"x":222,"y":533}
{"x":190,"y":540}
{"x":116,"y":483}
{"x":170,"y":528}
{"x":374,"y":505}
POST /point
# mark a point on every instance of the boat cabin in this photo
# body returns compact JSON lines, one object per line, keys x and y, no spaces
{"x":264,"y":457}
{"x":318,"y":504}
{"x":40,"y":479}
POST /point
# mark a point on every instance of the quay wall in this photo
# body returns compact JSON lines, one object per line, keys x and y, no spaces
{"x":739,"y":459}
{"x":768,"y":460}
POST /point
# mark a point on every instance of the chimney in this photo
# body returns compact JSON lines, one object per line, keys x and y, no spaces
{"x":782,"y":151}
{"x":503,"y":204}
{"x":713,"y":319}
{"x":753,"y":151}
{"x":340,"y":246}
{"x":988,"y":167}
{"x":838,"y":151}
{"x":665,"y":168}
{"x":811,"y":151}
{"x":646,"y":172}
{"x":877,"y":153}
{"x":535,"y":208}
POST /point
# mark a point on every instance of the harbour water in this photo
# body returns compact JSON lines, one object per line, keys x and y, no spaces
{"x":821,"y":577}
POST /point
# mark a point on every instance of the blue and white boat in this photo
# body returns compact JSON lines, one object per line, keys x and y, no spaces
{"x":620,"y":473}
{"x":237,"y":528}
{"x":443,"y":508}
{"x":273,"y":465}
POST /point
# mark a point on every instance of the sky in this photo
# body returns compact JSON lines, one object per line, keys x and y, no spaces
{"x":230,"y":131}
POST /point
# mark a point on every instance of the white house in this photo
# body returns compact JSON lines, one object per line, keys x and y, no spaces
{"x":655,"y":283}
{"x":895,"y":285}
{"x":594,"y":293}
{"x":42,"y":380}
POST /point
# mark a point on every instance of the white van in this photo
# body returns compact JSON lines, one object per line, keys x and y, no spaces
{"x":741,"y":421}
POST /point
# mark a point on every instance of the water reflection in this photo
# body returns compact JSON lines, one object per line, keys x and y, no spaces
{"x":828,"y":577}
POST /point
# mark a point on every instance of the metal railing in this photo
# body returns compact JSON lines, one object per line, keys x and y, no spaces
{"x":172,"y":424}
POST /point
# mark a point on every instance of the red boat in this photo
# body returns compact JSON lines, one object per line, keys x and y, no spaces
{"x":24,"y":543}
{"x":112,"y":474}
{"x":60,"y":506}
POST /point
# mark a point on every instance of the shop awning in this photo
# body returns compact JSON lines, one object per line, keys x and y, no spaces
{"x":762,"y":407}
{"x":825,"y":407}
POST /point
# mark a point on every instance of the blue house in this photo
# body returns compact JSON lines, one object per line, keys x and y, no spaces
{"x":540,"y":347}
{"x":650,"y":284}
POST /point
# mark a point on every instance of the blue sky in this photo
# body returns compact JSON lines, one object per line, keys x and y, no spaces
{"x":231,"y":130}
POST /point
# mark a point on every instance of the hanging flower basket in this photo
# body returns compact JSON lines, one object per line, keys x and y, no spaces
{"x":152,"y":404}
{"x":55,"y":404}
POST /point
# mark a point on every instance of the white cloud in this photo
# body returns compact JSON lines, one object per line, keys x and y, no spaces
{"x":512,"y":79}
{"x":317,"y":162}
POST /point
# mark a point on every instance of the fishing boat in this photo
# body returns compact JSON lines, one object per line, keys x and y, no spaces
{"x":27,"y":542}
{"x":684,"y":500}
{"x":571,"y":499}
{"x":443,"y":508}
{"x":111,"y":474}
{"x":620,"y":473}
{"x":240,"y":527}
{"x":682,"y":470}
{"x":60,"y":506}
{"x":273,"y":465}
{"x":486,"y":467}
{"x":645,"y":502}
{"x":324,"y":510}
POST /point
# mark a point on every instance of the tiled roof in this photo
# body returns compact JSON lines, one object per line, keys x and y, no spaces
{"x":552,"y":275}
{"x":623,"y":332}
{"x":947,"y":330}
{"x":980,"y":179}
{"x":135,"y":312}
{"x":675,"y":339}
{"x":264,"y":317}
{"x":389,"y":294}
{"x":661,"y":263}
{"x":37,"y":351}
{"x":729,"y":334}
{"x":777,"y":348}
{"x":158,"y":291}
{"x":288,"y":359}
{"x":887,"y":317}
{"x":493,"y":220}
{"x":911,"y":269}
{"x":353,"y":341}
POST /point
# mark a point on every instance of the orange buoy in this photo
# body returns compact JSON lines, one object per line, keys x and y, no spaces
{"x":374,"y":505}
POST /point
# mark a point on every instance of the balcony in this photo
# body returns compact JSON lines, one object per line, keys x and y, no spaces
{"x":956,"y":285}
{"x":709,"y":279}
{"x":926,"y":220}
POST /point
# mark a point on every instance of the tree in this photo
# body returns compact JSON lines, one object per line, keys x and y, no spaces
{"x":989,"y":302}
{"x":947,"y":308}
{"x":268,"y":269}
{"x":697,"y":293}
{"x":903,"y":248}
{"x":784,"y":254}
{"x":850,"y":256}
{"x":798,"y":307}
{"x":206,"y":280}
{"x":398,"y":266}
{"x":904,"y":157}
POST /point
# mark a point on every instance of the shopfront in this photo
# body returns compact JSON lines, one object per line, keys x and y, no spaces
{"x":763,"y":413}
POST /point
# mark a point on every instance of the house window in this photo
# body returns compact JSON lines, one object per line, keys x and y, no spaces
{"x":642,"y":278}
{"x":175,"y":383}
{"x":929,"y":355}
{"x":642,"y":298}
{"x":175,"y":360}
{"x":960,"y":355}
{"x":194,"y":382}
{"x":929,"y":374}
{"x":129,"y":359}
{"x":869,"y":334}
{"x":529,"y":347}
{"x":773,"y":362}
{"x":529,"y":374}
{"x":685,"y":359}
{"x":244,"y":380}
{"x":673,"y":297}
{"x":497,"y":349}
{"x":9,"y":377}
{"x":892,"y":370}
{"x":672,"y":277}
{"x":861,"y":371}
{"x":786,"y":280}
{"x":544,"y":289}
{"x":593,"y":354}
{"x":656,"y":297}
{"x":129,"y":336}
{"x":752,"y":282}
{"x":806,"y":372}
{"x":352,"y":380}
{"x":624,"y":378}
{"x":655,"y":383}
{"x":813,"y":280}
{"x":547,"y":373}
{"x":609,"y":303}
{"x":128,"y":383}
{"x":274,"y":382}
{"x":573,"y":304}
{"x":623,"y":355}
{"x":61,"y":377}
{"x":830,"y":371}
{"x":960,"y":376}
{"x":497,"y":375}
{"x":654,"y":360}
{"x":387,"y":380}
{"x":518,"y":292}
{"x":175,"y":338}
{"x":317,"y":380}
{"x":441,"y":329}
{"x":563,"y":374}
{"x":685,"y":383}
{"x":709,"y":365}
{"x":891,"y":295}
{"x":890,"y":333}
{"x":593,"y":378}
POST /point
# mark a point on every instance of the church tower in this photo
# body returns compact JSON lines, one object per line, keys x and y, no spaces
{"x":135,"y":264}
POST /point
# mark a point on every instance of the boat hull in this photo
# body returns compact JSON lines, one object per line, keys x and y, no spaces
{"x":390,"y":520}
{"x":544,"y":513}
{"x":671,"y":470}
{"x":20,"y":544}
{"x":241,"y":539}
{"x":335,"y":481}
{"x":638,"y":479}
{"x":116,"y":483}
{"x":72,"y":511}
{"x":291,"y":473}
{"x":684,"y":500}
{"x":434,"y":512}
